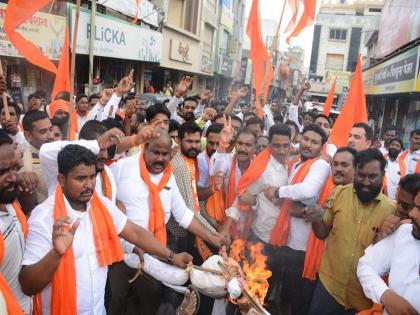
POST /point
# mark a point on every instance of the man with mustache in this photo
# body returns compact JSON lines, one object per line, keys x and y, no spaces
{"x":231,"y":166}
{"x":350,"y":219}
{"x":290,"y":229}
{"x":73,"y":238}
{"x":37,"y":130}
{"x":325,"y":123}
{"x":342,"y":166}
{"x":209,"y":187}
{"x":185,"y":169}
{"x":13,"y":227}
{"x":360,"y":137}
{"x":395,"y":167}
{"x":398,"y":256}
{"x":391,"y":132}
{"x":411,"y":156}
{"x":148,"y":190}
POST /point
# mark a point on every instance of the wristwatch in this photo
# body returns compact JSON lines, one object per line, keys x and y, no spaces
{"x":171,"y":257}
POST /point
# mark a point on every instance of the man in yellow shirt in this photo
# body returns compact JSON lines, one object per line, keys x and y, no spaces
{"x":350,"y":219}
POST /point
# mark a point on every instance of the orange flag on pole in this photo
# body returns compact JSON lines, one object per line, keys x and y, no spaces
{"x":330,"y":100}
{"x":62,"y":78}
{"x":294,"y":7}
{"x":259,"y":55}
{"x":17,"y":12}
{"x":137,"y":13}
{"x":353,"y":111}
{"x":307,"y":18}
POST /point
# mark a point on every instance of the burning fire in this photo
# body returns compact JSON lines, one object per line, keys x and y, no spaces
{"x":255,"y":268}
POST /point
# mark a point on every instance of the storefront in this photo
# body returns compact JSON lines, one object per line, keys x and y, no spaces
{"x":392,"y":91}
{"x":118,"y":47}
{"x":47,"y":32}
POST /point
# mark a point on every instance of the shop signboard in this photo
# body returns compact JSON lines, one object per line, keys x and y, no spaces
{"x":396,"y":75}
{"x":206,"y":64}
{"x":44,"y":30}
{"x":226,"y":66}
{"x":342,"y":77}
{"x":180,"y":51}
{"x":146,"y":11}
{"x":116,"y":38}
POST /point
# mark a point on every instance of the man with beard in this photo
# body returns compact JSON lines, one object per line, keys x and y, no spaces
{"x":391,"y":132}
{"x":325,"y":123}
{"x":185,"y":169}
{"x":37,"y":130}
{"x":73,"y":238}
{"x":148,"y":190}
{"x":395,"y":167}
{"x":290,"y":230}
{"x":13,"y":226}
{"x":351,"y":218}
{"x":79,"y":115}
{"x":398,"y":256}
{"x":209,"y":187}
{"x":411,"y":156}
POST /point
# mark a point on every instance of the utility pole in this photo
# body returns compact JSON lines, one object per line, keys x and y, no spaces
{"x":91,"y":43}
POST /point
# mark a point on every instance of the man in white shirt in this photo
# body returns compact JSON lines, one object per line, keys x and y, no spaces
{"x":390,"y":133}
{"x":395,"y":167}
{"x":397,"y":256}
{"x":11,"y":126}
{"x":50,"y":239}
{"x":411,"y":156}
{"x":307,"y":191}
{"x":135,"y":194}
{"x":11,"y":229}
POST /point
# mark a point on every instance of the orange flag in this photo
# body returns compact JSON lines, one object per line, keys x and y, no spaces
{"x":307,"y":18}
{"x":353,"y":111}
{"x":137,"y":13}
{"x":330,"y":100}
{"x":17,"y":12}
{"x":294,"y":7}
{"x":62,"y":78}
{"x":258,"y":52}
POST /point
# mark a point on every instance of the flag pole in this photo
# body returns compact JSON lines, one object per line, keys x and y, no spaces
{"x":273,"y":48}
{"x":73,"y":63}
{"x":4,"y":96}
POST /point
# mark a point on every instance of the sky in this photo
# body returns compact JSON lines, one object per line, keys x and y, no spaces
{"x":271,"y":9}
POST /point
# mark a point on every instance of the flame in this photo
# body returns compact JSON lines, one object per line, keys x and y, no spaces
{"x":256,"y":270}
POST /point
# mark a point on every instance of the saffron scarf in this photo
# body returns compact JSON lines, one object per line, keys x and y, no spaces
{"x":315,"y":246}
{"x":280,"y":232}
{"x":192,"y":166}
{"x":106,"y":185}
{"x":215,"y":205}
{"x":12,"y":304}
{"x":404,"y":155}
{"x":75,"y":125}
{"x":231,"y":191}
{"x":403,"y":172}
{"x":252,"y":174}
{"x":157,"y":215}
{"x":108,"y":251}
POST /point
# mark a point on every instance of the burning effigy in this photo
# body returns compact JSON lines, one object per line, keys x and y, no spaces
{"x":239,"y":274}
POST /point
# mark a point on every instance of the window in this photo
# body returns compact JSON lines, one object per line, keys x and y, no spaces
{"x":224,"y":45}
{"x":212,"y":4}
{"x":208,"y":38}
{"x":334,"y":62}
{"x":183,"y":14}
{"x":338,"y":34}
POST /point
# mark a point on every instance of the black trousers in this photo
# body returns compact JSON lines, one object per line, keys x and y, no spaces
{"x":143,"y":296}
{"x":323,"y":303}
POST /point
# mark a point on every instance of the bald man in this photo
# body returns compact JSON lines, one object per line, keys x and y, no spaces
{"x":136,"y":177}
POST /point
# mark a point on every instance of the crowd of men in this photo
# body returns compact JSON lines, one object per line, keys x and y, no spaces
{"x":86,"y":194}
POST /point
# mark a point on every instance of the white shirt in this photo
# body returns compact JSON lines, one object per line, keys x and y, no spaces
{"x":90,"y":277}
{"x":294,"y":114}
{"x":172,"y":106}
{"x":203,"y":167}
{"x":134,"y":194}
{"x":393,"y":176}
{"x":100,"y":112}
{"x":308,"y":190}
{"x":269,"y":118}
{"x":48,"y":159}
{"x":399,"y":256}
{"x":222,"y":162}
{"x":383,"y":149}
{"x":267,"y":213}
{"x":331,"y":149}
{"x":14,"y":244}
{"x":411,"y":161}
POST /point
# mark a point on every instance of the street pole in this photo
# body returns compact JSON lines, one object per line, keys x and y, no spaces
{"x":91,"y":43}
